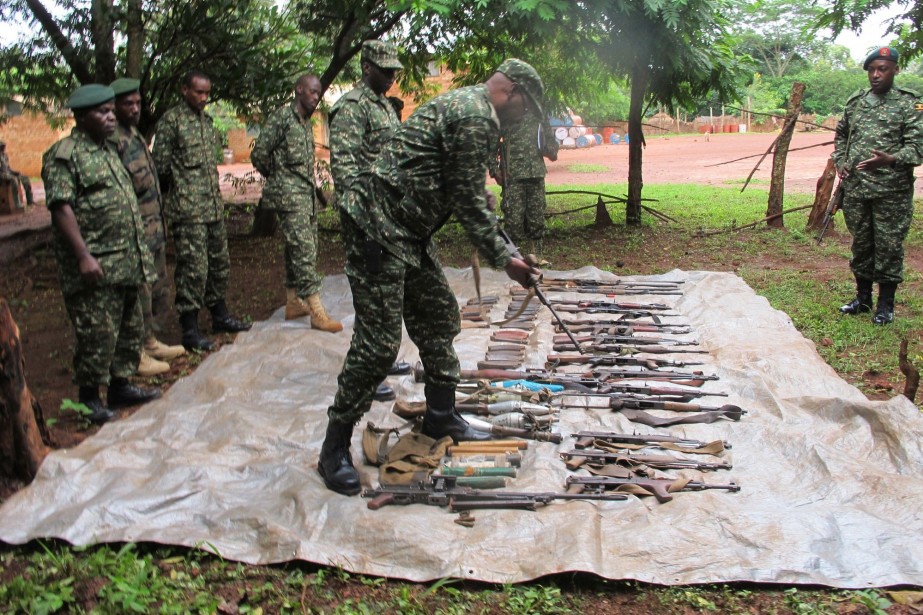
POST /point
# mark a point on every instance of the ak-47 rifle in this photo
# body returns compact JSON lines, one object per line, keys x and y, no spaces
{"x":625,"y":328}
{"x":660,"y":488}
{"x":614,"y":290}
{"x":583,"y":303}
{"x":636,"y":440}
{"x":576,"y":458}
{"x":617,"y":402}
{"x":536,"y":287}
{"x":629,"y":391}
{"x":619,"y":359}
{"x":442,"y":491}
{"x":632,"y":340}
{"x":573,"y":282}
{"x":836,"y":201}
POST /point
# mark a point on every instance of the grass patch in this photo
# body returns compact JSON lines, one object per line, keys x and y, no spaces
{"x":585,"y":167}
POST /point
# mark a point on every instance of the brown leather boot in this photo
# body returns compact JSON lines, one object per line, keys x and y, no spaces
{"x":319,"y":318}
{"x":295,"y":307}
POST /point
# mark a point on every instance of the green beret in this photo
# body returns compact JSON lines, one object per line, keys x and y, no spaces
{"x":882,"y":53}
{"x":92,"y":95}
{"x":527,"y":78}
{"x":381,"y":54}
{"x":125,"y":86}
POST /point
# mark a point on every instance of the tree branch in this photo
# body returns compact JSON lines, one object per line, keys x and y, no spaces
{"x":61,"y":43}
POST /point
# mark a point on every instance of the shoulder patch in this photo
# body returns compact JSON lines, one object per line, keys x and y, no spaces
{"x":65,"y":149}
{"x":855,"y":94}
{"x":354,"y":94}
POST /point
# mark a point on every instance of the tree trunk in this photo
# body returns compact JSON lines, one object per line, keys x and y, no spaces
{"x":822,"y":197}
{"x":777,"y":183}
{"x":134,"y":46}
{"x":101,"y":26}
{"x":639,"y":80}
{"x":61,"y":42}
{"x":24,"y":438}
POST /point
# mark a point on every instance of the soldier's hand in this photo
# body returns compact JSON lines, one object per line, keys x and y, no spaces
{"x":90,"y":270}
{"x":520,"y":271}
{"x":879,"y":159}
{"x":491,"y":199}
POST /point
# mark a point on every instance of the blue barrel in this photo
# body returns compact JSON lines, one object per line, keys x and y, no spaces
{"x":614,"y":138}
{"x":598,"y":137}
{"x":626,"y":138}
{"x":555,"y":122}
{"x":583,"y":141}
{"x":568,"y":121}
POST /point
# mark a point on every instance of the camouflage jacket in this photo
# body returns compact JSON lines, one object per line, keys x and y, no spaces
{"x":524,"y":146}
{"x":284,"y":155}
{"x":185,"y":155}
{"x":132,"y":149}
{"x":91,"y":179}
{"x":892,"y":123}
{"x":434,"y":166}
{"x":361,"y":122}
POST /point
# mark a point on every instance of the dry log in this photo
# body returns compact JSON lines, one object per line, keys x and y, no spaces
{"x":910,"y":372}
{"x":24,"y":439}
{"x":822,"y":197}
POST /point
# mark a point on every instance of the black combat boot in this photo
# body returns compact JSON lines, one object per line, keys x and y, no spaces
{"x":863,"y":301}
{"x":192,"y":338}
{"x":99,"y":413}
{"x":384,"y":393}
{"x":122,"y":393}
{"x":223,"y":322}
{"x":884,"y":313}
{"x":336,"y":463}
{"x":441,"y":418}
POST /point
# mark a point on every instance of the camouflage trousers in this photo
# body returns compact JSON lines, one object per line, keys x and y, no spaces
{"x":385,"y":289}
{"x":300,"y":232}
{"x":202,"y":264}
{"x":109,"y":328}
{"x":523,"y":208}
{"x":879,"y":226}
{"x":155,"y":298}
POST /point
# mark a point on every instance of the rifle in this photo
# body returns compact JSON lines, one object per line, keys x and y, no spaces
{"x":536,"y":287}
{"x":618,"y":359}
{"x":596,"y":283}
{"x":613,"y":304}
{"x":629,"y":440}
{"x":836,"y":201}
{"x":660,"y":488}
{"x":632,"y":340}
{"x":628,"y":389}
{"x":575,"y":458}
{"x":443,"y":491}
{"x":627,"y":327}
{"x":612,"y":291}
{"x":617,"y":402}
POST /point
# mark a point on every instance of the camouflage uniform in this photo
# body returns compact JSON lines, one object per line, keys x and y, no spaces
{"x":185,"y":155}
{"x":522,"y":151}
{"x":132,"y":149}
{"x":361,"y":122}
{"x":878,"y":204}
{"x":284,"y":155}
{"x":107,"y":316}
{"x":432,"y":168}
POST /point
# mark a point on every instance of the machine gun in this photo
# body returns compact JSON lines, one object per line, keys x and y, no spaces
{"x":442,"y":491}
{"x":586,"y":439}
{"x":578,"y":457}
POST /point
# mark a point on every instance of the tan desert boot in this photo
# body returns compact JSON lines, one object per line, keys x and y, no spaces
{"x":319,"y":318}
{"x":295,"y":307}
{"x":148,"y":366}
{"x":158,"y":350}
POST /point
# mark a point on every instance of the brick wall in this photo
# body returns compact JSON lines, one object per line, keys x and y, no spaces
{"x":27,"y":136}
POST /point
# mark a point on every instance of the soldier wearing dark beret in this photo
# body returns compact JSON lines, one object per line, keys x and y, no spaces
{"x":100,"y":251}
{"x":132,"y":149}
{"x":879,"y":141}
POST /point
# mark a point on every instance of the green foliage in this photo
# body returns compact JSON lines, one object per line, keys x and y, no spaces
{"x":906,"y":27}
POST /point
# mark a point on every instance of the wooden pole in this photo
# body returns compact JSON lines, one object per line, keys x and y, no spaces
{"x":777,"y":183}
{"x":822,"y":197}
{"x":24,"y":437}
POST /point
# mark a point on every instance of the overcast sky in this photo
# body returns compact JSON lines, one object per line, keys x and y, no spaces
{"x":871,"y":36}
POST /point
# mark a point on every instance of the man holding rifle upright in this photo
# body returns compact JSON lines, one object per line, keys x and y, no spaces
{"x":878,"y":143}
{"x":434,"y":167}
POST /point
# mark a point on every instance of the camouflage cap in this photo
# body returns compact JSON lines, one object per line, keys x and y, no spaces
{"x":381,"y":54}
{"x":87,"y":96}
{"x":882,"y":53}
{"x":125,"y":86}
{"x":527,"y":78}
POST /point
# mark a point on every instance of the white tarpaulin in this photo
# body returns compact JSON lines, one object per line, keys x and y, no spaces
{"x":831,"y":482}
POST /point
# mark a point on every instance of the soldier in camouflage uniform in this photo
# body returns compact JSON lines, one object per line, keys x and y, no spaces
{"x":186,"y":150}
{"x":878,"y":143}
{"x":522,"y":172}
{"x":132,"y":149}
{"x":432,"y":168}
{"x":361,"y":122}
{"x":284,"y":155}
{"x":100,"y":251}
